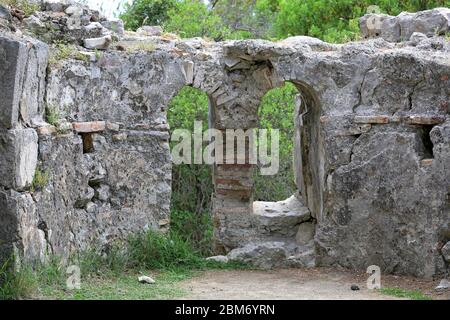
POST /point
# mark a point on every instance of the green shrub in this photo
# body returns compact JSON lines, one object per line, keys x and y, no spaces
{"x":25,"y":5}
{"x":195,"y":228}
{"x":40,"y":179}
{"x":154,"y":250}
{"x":277,"y":112}
{"x":146,"y":12}
{"x":192,"y":18}
{"x":62,"y":51}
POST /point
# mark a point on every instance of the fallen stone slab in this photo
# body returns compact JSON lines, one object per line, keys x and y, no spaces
{"x":280,"y":218}
{"x":101,"y":43}
{"x":146,"y":280}
{"x":220,"y":259}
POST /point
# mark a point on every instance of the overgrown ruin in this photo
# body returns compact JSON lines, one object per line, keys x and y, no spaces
{"x":372,"y":142}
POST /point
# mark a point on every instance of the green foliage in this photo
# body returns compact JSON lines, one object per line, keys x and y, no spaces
{"x":146,"y":46}
{"x":123,"y":287}
{"x":246,"y":18}
{"x":146,"y":12}
{"x":337,"y":21}
{"x":60,"y":52}
{"x":195,"y":228}
{"x":192,"y":184}
{"x":40,"y":179}
{"x":52,"y":115}
{"x":82,"y":57}
{"x":277,"y":112}
{"x":158,"y":251}
{"x":25,"y":5}
{"x":401,"y":293}
{"x":192,"y":18}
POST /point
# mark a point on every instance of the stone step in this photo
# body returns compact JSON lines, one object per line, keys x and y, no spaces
{"x":274,"y":254}
{"x":279,"y":219}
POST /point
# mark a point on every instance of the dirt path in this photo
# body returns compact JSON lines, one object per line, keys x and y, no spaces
{"x":295,"y":284}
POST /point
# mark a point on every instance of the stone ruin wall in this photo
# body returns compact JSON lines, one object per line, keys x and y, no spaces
{"x":372,"y":144}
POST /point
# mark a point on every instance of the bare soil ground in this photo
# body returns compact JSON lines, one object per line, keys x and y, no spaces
{"x":295,"y":284}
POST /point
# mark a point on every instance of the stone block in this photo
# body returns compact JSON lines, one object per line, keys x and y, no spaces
{"x":446,"y":252}
{"x":13,"y":59}
{"x":18,"y":158}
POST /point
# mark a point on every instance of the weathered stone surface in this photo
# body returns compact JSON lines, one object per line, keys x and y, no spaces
{"x":265,"y":255}
{"x":280,"y":218}
{"x":402,"y":27}
{"x":443,"y":285}
{"x":446,"y":252}
{"x":114,"y":25}
{"x":5,"y":13}
{"x":305,"y":233}
{"x":32,"y":107}
{"x":13,"y":59}
{"x":305,"y":257}
{"x":98,"y":43}
{"x":20,"y":229}
{"x":18,"y":156}
{"x":150,"y":31}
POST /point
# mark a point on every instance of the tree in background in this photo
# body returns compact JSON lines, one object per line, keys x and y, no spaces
{"x":246,"y":18}
{"x":147,"y":12}
{"x":193,"y":18}
{"x":337,"y":20}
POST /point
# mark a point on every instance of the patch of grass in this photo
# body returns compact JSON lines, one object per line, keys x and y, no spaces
{"x":16,"y":284}
{"x":123,"y":287}
{"x":145,"y":46}
{"x":40,"y":179}
{"x":61,"y":51}
{"x":402,"y":293}
{"x":52,"y":115}
{"x":113,"y":273}
{"x":25,"y":5}
{"x":98,"y":54}
{"x":82,"y":57}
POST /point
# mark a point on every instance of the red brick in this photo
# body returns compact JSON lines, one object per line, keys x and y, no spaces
{"x":371,"y":119}
{"x":88,"y":127}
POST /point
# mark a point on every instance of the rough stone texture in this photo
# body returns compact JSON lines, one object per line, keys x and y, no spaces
{"x":372,"y":144}
{"x":20,"y":230}
{"x":12,"y":66}
{"x":402,"y":27}
{"x":23,"y":64}
{"x":264,"y":255}
{"x":446,"y":252}
{"x":98,"y":43}
{"x":18,"y":158}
